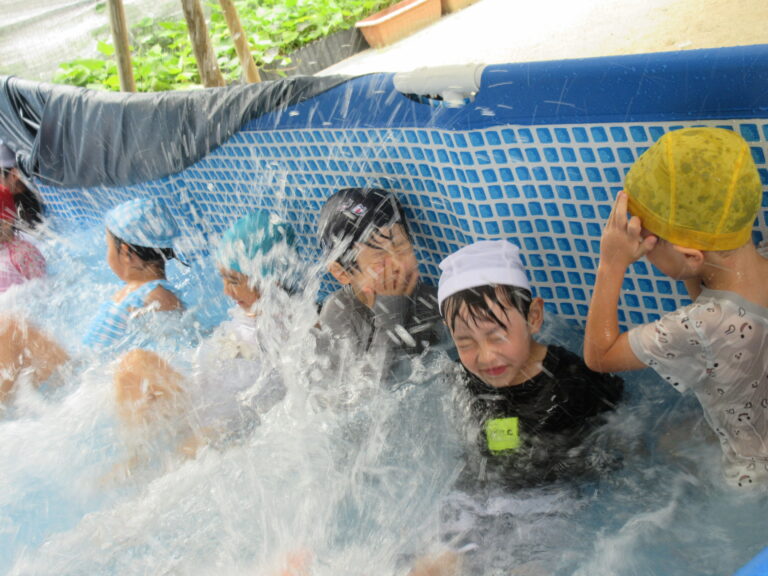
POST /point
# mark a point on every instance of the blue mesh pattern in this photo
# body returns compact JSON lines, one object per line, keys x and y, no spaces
{"x":547,"y":188}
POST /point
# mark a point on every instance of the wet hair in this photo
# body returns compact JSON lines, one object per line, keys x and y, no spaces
{"x":146,"y":254}
{"x":29,"y":207}
{"x":476,"y":301}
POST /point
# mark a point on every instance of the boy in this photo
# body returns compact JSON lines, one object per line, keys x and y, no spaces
{"x":694,"y":196}
{"x":382,"y":308}
{"x":529,"y":397}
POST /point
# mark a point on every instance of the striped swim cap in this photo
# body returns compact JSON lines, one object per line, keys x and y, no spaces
{"x":143,"y":222}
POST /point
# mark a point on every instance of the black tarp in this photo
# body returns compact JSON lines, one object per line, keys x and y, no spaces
{"x":79,"y":138}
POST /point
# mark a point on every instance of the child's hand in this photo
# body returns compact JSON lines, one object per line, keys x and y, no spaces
{"x":623,"y":242}
{"x":400,"y":279}
{"x":394,"y":278}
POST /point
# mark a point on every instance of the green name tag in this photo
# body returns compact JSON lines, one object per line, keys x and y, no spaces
{"x":502,"y":434}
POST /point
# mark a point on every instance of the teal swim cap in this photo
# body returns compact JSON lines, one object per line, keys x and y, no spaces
{"x":260,"y":243}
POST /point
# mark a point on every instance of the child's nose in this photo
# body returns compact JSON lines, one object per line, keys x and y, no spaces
{"x":485,"y":354}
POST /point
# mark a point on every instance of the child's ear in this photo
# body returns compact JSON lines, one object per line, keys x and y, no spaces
{"x":129,"y":257}
{"x":536,"y":315}
{"x":694,"y":259}
{"x":338,"y":272}
{"x":124,"y":253}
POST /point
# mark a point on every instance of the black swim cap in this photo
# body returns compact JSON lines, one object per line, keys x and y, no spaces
{"x":351,"y":214}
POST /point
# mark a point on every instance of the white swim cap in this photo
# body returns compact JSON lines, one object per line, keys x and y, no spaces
{"x":487,"y":262}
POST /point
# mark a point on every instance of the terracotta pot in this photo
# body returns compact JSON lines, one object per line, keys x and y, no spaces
{"x":454,"y":5}
{"x":398,"y":21}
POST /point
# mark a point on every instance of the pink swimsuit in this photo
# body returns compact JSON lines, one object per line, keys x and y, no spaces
{"x":19,"y":261}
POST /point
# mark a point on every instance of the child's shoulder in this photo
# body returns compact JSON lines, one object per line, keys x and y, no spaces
{"x":564,"y":365}
{"x":559,"y":362}
{"x":715,"y":305}
{"x":162,"y":297}
{"x":717,"y":317}
{"x":593,"y":391}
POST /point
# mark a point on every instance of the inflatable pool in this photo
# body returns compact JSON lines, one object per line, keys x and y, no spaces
{"x":757,"y":566}
{"x":531,"y":152}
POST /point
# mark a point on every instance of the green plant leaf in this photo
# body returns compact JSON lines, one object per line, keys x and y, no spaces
{"x":92,"y":64}
{"x":106,"y":49}
{"x":162,"y":52}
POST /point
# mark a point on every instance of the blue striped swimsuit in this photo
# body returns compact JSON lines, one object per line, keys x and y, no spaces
{"x":110,"y":325}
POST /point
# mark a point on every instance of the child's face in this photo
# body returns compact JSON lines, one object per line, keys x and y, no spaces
{"x":385,"y":265}
{"x":119,"y":258}
{"x":236,"y":286}
{"x":500,"y":355}
{"x":113,"y":255}
{"x":7,"y":179}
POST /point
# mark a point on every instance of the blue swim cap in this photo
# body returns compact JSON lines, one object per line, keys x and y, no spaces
{"x":143,"y":222}
{"x":259,"y":243}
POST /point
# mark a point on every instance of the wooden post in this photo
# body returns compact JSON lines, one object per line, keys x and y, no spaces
{"x":241,"y":41}
{"x":122,"y":47}
{"x":198,"y":34}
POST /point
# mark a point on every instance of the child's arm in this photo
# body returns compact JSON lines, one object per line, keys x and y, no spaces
{"x":606,"y":349}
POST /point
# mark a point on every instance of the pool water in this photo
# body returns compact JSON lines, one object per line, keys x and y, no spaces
{"x":362,"y":479}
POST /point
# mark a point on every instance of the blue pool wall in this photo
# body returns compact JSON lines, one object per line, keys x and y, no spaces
{"x":536,"y":157}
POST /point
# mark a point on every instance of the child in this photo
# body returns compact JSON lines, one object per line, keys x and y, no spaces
{"x":383,"y":307}
{"x":234,"y":381}
{"x":694,"y":196}
{"x":140,"y":237}
{"x":28,"y":206}
{"x":20,"y":260}
{"x":9,"y":175}
{"x":528,"y":396}
{"x":140,"y":234}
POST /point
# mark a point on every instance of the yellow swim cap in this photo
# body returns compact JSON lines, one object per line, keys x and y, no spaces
{"x":697,"y":188}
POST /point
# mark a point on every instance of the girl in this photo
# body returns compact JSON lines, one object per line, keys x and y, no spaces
{"x":140,"y":235}
{"x":19,"y":259}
